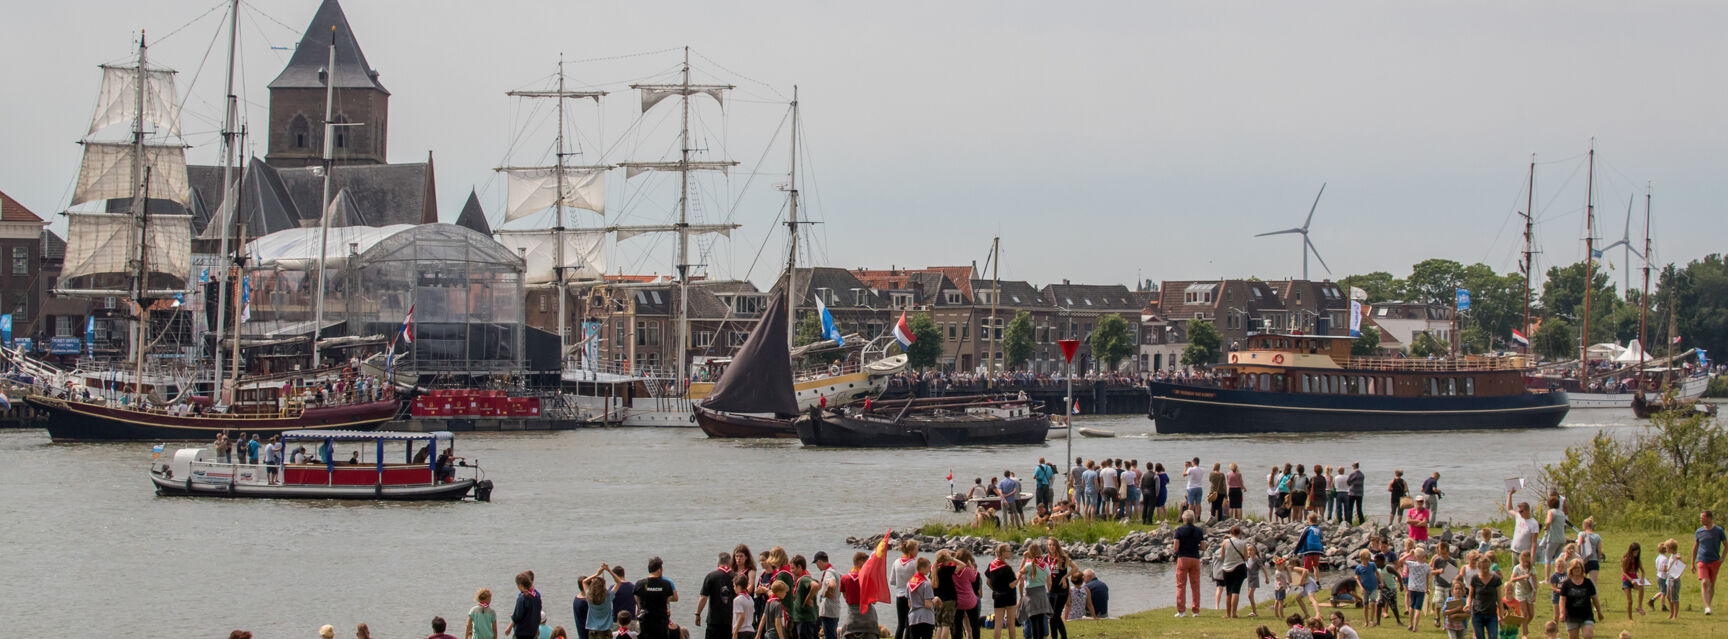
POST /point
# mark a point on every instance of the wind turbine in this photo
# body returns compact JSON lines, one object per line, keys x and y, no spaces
{"x":1625,"y":242}
{"x":1307,"y":244}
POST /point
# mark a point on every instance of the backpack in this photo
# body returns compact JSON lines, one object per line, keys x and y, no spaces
{"x":1311,"y":541}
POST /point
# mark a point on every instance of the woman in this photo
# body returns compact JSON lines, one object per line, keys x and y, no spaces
{"x":1418,"y":517}
{"x":1399,"y":490}
{"x":1554,"y":526}
{"x":1317,"y":492}
{"x":1060,"y":568}
{"x":1590,"y":548}
{"x":1341,"y":627}
{"x":1272,"y":494}
{"x":1579,"y":605}
{"x":898,"y":575}
{"x":1159,"y":512}
{"x":1233,"y":558}
{"x":1341,"y":479}
{"x":1632,"y":577}
{"x":1284,"y":480}
{"x":1233,"y":482}
{"x":1484,"y":601}
{"x":966,"y":596}
{"x":1035,"y":578}
{"x":1003,"y":593}
{"x":1299,"y":494}
{"x":743,"y":608}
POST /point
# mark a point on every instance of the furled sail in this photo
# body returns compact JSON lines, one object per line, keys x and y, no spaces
{"x":118,"y":102}
{"x":627,"y":232}
{"x":759,"y":380}
{"x":652,"y":94}
{"x":535,"y":189}
{"x":107,"y":172}
{"x":104,"y":244}
{"x":633,"y":169}
{"x":584,"y":253}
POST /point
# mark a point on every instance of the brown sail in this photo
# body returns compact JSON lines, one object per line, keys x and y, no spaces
{"x":759,"y":380}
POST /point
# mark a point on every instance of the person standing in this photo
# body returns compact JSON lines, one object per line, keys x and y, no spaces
{"x":1580,"y":607}
{"x":1130,"y":478}
{"x":1398,"y":488}
{"x":525,"y":619}
{"x":1217,"y":502}
{"x":1010,"y":488}
{"x":654,"y":596}
{"x":1554,"y":526}
{"x":1041,"y":478}
{"x":828,"y":603}
{"x":1524,"y":526}
{"x":1418,"y":518}
{"x":1188,"y":542}
{"x":1431,"y":490}
{"x":1088,"y":491}
{"x":1034,"y":576}
{"x":1312,"y":545}
{"x":716,"y":598}
{"x":1160,"y":506}
{"x":1233,"y":560}
{"x":1707,"y":555}
{"x":921,"y":598}
{"x":743,"y":609}
{"x":1272,"y":503}
{"x":482,"y":621}
{"x":1354,"y":507}
{"x":1317,"y":491}
{"x":898,"y":574}
{"x":600,"y":621}
{"x":1109,"y":489}
{"x":967,"y":582}
{"x":1061,"y":568}
{"x":1003,"y":593}
{"x":1484,"y":601}
{"x":860,"y":620}
{"x":1340,"y":488}
{"x":1299,"y":494}
{"x":1196,"y":485}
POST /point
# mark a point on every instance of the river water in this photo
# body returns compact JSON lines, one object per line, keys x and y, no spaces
{"x":89,"y":543}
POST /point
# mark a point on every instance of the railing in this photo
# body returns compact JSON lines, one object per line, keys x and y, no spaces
{"x":1466,"y":364}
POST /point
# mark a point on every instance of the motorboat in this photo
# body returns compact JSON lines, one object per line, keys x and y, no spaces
{"x":426,"y":469}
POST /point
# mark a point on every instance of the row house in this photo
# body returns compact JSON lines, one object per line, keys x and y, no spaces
{"x":1078,"y":307}
{"x":1240,"y":308}
{"x":637,"y":323}
{"x":1400,"y":323}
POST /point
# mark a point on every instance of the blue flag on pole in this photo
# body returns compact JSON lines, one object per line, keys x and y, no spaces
{"x":1463,"y":300}
{"x":829,"y":331}
{"x":90,"y":334}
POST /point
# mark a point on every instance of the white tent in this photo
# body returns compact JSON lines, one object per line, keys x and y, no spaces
{"x":1633,"y":354}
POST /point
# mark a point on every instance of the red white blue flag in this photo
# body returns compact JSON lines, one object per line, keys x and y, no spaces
{"x":903,"y":332}
{"x":1519,"y":339}
{"x":407,"y":333}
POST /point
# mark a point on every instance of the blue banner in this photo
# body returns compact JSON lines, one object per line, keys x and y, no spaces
{"x":6,"y":329}
{"x":63,"y":345}
{"x":90,"y":334}
{"x":1463,"y":300}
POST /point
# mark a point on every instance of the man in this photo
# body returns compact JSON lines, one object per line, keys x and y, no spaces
{"x":525,"y":619}
{"x":1707,"y":555}
{"x":1098,"y":593}
{"x":1431,"y":490}
{"x":1109,"y":489}
{"x":803,"y":603}
{"x":1355,"y":504}
{"x":1196,"y":485}
{"x":623,"y":594}
{"x":654,"y":595}
{"x":1010,"y":488}
{"x":437,"y":628}
{"x":717,"y":592}
{"x":252,"y":450}
{"x":1041,"y":478}
{"x":828,"y":604}
{"x":1074,"y":479}
{"x":860,"y":623}
{"x":1087,"y":493}
{"x":1188,"y":543}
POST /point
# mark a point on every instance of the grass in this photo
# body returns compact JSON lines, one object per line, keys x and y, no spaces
{"x":1692,"y":622}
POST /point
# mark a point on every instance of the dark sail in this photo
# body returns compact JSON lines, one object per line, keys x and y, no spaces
{"x":760,"y":377}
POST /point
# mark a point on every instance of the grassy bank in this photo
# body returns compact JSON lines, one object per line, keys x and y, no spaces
{"x":1692,"y":622}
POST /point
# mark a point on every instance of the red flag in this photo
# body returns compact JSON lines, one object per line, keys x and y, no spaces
{"x":873,"y":578}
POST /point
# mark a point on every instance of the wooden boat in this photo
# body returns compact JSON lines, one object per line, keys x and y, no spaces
{"x":1094,"y":432}
{"x":1645,"y":408}
{"x":76,"y":420}
{"x":754,"y":396}
{"x":1311,"y":383}
{"x":956,"y":421}
{"x":430,"y":473}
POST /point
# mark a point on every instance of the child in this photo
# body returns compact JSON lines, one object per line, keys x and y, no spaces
{"x":1671,"y":585}
{"x":1551,"y":630}
{"x":624,"y":621}
{"x":482,"y":621}
{"x":1079,"y":598}
{"x":1523,"y":592}
{"x":1416,"y":577}
{"x":1389,"y":598}
{"x":1280,"y":585}
{"x":1298,"y":629}
{"x":1368,"y":581}
{"x":1441,"y":584}
{"x":1317,"y":629}
{"x":921,"y":604}
{"x":1255,"y":567}
{"x":1306,"y":584}
{"x":1455,"y":611}
{"x":1632,"y":577}
{"x":773,"y":623}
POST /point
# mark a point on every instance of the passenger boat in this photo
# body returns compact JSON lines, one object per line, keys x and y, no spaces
{"x":951,"y":421}
{"x":425,"y":470}
{"x":1311,"y":383}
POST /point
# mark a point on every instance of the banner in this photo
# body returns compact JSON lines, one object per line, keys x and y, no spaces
{"x":6,"y":329}
{"x":64,"y":346}
{"x":1463,"y":299}
{"x":1355,"y":318}
{"x":90,"y":334}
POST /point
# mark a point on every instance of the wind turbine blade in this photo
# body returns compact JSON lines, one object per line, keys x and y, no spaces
{"x":1317,"y":254}
{"x":1282,"y":232}
{"x":1616,"y":243}
{"x":1626,"y":234}
{"x":1316,"y":205}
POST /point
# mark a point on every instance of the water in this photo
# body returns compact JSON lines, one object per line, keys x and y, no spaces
{"x":86,"y":537}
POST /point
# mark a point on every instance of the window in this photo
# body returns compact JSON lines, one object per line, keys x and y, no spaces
{"x":858,"y":297}
{"x":950,"y":331}
{"x":951,"y":297}
{"x":901,"y":300}
{"x":647,"y":333}
{"x":984,"y":329}
{"x":986,"y":296}
{"x":1229,"y":295}
{"x":341,"y":140}
{"x":1470,"y":386}
{"x":300,"y":140}
{"x":965,"y":331}
{"x":704,"y":339}
{"x":20,"y":260}
{"x":736,"y":339}
{"x":620,"y":333}
{"x":1298,"y":295}
{"x":62,"y":326}
{"x":542,"y":297}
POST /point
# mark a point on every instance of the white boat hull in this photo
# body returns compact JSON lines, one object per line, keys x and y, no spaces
{"x":1691,"y":388}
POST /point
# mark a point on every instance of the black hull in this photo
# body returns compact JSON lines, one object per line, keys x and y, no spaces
{"x":719,"y":425}
{"x":1205,"y":410}
{"x":832,"y":429}
{"x":77,"y":421}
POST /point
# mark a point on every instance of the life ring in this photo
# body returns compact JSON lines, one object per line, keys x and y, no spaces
{"x":1233,"y":357}
{"x":1278,"y":359}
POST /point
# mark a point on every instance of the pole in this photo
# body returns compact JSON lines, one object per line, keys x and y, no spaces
{"x":228,"y":195}
{"x":990,"y":334}
{"x":140,"y":200}
{"x":1644,"y":294}
{"x":1529,"y":253}
{"x":324,"y":202}
{"x":792,"y":230}
{"x":1589,"y":267}
{"x":683,"y":228}
{"x":558,"y":231}
{"x":240,"y":277}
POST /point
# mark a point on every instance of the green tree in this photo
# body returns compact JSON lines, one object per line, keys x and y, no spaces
{"x":1018,"y":340}
{"x":1496,"y":303}
{"x":1555,"y":340}
{"x":1434,"y":281}
{"x":1426,"y":344}
{"x":1111,"y":341}
{"x":926,"y":342}
{"x":1367,"y":344}
{"x":1473,"y":341}
{"x":1658,"y":478}
{"x":1623,"y":321}
{"x":1698,"y":296}
{"x":1563,"y":297}
{"x":810,"y":332}
{"x":1379,"y":285}
{"x":1205,"y":345}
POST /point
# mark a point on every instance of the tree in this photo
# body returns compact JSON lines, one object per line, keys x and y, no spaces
{"x":1204,"y":344}
{"x":1111,"y":341}
{"x":1555,"y":340}
{"x":1379,"y":285}
{"x":1018,"y":340}
{"x":1367,"y":344}
{"x":810,"y":332}
{"x":1563,"y":297}
{"x":1655,"y":478}
{"x":1474,"y":341}
{"x":1434,"y":281}
{"x":1496,"y":303}
{"x":1426,"y":344}
{"x":926,"y":342}
{"x":1698,"y":295}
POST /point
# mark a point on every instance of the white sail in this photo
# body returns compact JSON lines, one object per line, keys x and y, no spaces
{"x":118,"y":102}
{"x":652,"y":94}
{"x":535,"y":189}
{"x":584,"y":253}
{"x":627,"y":232}
{"x":104,"y":243}
{"x":107,"y":173}
{"x":633,"y":169}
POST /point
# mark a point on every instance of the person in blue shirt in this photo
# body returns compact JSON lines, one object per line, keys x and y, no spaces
{"x":1368,"y":580}
{"x":1010,"y":488}
{"x":525,"y":619}
{"x":1042,"y":477}
{"x":1098,"y":594}
{"x":1707,"y":555}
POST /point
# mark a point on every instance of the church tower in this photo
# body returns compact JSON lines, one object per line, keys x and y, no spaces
{"x":297,"y":99}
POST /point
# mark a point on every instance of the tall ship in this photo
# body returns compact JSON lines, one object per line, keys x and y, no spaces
{"x":1311,"y":383}
{"x":143,"y":256}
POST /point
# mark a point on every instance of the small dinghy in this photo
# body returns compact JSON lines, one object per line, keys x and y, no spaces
{"x":1095,"y":432}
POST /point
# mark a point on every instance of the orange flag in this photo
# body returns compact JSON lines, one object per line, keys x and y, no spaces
{"x":873,"y":578}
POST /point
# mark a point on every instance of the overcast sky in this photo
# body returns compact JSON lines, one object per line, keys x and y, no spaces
{"x":1102,"y":141}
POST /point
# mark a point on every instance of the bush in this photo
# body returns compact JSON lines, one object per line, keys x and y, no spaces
{"x":1718,"y":387}
{"x":1660,"y":478}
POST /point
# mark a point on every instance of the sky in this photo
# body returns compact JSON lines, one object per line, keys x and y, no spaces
{"x":1104,"y":142}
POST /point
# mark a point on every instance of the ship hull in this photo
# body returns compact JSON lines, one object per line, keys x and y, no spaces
{"x":835,"y":430}
{"x":1204,"y":410}
{"x":721,"y":425}
{"x":69,"y":421}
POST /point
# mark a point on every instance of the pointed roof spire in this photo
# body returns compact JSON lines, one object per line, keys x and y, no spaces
{"x":352,"y":71}
{"x":473,"y":216}
{"x":343,"y":212}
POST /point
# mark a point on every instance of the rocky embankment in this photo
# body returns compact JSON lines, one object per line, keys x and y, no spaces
{"x":1270,"y":539}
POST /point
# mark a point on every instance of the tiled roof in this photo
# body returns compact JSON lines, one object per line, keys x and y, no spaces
{"x":53,"y":248}
{"x":313,"y":53}
{"x":13,"y":211}
{"x":1091,"y":297}
{"x":473,"y":216}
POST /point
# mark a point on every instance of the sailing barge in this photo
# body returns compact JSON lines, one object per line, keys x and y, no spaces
{"x":970,"y":420}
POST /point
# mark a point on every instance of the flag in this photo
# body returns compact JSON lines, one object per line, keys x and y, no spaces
{"x":5,"y":402}
{"x":156,"y":451}
{"x":179,"y":300}
{"x":950,"y":474}
{"x":246,"y":298}
{"x":873,"y":577}
{"x":903,"y":332}
{"x":90,"y":334}
{"x":1355,"y":318}
{"x":204,"y":277}
{"x":1076,"y":409}
{"x":1676,"y":339}
{"x":1463,"y":296}
{"x":6,"y":329}
{"x":1596,"y":253}
{"x":407,"y":332}
{"x":1519,"y":339}
{"x":829,"y":331}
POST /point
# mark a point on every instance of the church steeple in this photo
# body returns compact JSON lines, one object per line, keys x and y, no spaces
{"x":297,"y":98}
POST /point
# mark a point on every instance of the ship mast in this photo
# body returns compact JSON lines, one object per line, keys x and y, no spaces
{"x":1589,"y":266}
{"x":1529,"y":249}
{"x":140,"y":204}
{"x":792,"y":229}
{"x":324,"y":201}
{"x":1644,"y":294}
{"x":228,"y":200}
